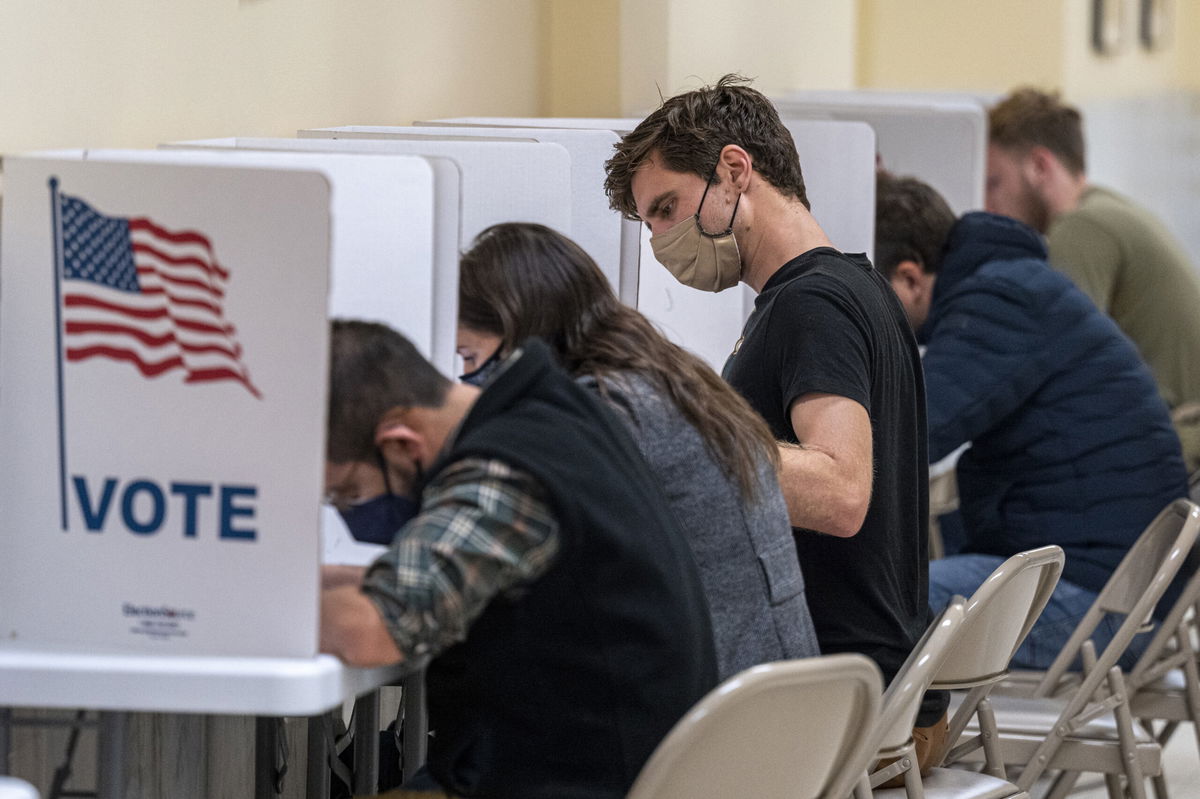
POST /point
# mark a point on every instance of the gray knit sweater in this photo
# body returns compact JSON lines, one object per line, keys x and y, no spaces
{"x":747,"y":557}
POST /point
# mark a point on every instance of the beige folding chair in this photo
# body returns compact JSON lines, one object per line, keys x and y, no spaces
{"x":999,"y":615}
{"x":1164,"y":685}
{"x":787,"y":729}
{"x":1087,"y":726}
{"x":894,"y":742}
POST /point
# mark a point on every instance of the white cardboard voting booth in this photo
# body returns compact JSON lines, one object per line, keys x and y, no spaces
{"x":502,"y":181}
{"x":163,"y":368}
{"x":941,"y":140}
{"x":838,"y":161}
{"x":394,"y":232}
{"x":162,"y":374}
{"x":594,"y":226}
{"x":393,"y":256}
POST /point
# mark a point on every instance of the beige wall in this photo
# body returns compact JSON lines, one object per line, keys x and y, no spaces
{"x":135,"y":73}
{"x":1187,"y":41}
{"x":973,"y":45}
{"x":986,"y":45}
{"x":1132,"y":69}
{"x":581,"y":54}
{"x":675,"y":45}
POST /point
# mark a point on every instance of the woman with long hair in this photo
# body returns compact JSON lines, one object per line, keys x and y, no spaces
{"x":714,"y":457}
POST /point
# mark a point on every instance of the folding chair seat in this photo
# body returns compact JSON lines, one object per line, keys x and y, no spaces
{"x":1087,"y":725}
{"x":995,"y":621}
{"x":787,"y":729}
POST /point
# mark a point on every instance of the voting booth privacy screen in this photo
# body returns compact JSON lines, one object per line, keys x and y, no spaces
{"x":163,"y":367}
{"x":594,"y":226}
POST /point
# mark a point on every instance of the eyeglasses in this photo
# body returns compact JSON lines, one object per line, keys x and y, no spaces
{"x":348,"y":492}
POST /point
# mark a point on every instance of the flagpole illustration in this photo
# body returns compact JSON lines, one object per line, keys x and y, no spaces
{"x":56,"y":215}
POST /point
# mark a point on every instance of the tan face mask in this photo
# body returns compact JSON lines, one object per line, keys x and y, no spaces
{"x":705,"y":261}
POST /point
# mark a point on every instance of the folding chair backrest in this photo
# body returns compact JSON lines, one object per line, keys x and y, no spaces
{"x":1134,"y":588}
{"x":787,"y":729}
{"x":903,"y":697}
{"x":998,"y":617}
{"x":1160,"y":656}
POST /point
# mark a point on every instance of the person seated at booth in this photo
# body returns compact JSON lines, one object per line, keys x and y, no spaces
{"x":1071,"y":442}
{"x":1117,"y":252}
{"x":826,"y":358}
{"x":535,"y":561}
{"x":713,"y":455}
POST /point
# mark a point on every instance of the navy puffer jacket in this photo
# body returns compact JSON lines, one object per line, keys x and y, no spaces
{"x":1072,"y":444}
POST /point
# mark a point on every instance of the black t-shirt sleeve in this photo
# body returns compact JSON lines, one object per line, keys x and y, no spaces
{"x":819,"y":347}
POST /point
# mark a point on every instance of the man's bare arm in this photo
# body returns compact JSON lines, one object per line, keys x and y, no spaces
{"x":353,"y":629}
{"x":336,"y":575}
{"x":827,"y":479}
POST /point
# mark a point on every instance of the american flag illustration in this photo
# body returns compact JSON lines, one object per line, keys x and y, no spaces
{"x":137,"y":292}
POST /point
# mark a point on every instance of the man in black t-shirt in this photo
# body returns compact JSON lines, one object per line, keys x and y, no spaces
{"x":827,"y":358}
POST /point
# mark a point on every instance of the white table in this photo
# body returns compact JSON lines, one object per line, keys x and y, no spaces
{"x":120,"y":684}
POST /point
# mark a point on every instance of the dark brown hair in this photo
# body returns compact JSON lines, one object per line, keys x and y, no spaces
{"x":912,"y":223}
{"x":372,"y":369}
{"x":538,"y":282}
{"x":689,"y":131}
{"x":1032,"y":118}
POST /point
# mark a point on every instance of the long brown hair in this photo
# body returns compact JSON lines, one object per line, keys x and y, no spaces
{"x":521,"y":279}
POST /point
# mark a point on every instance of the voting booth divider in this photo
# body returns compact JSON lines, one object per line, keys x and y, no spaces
{"x":163,"y":370}
{"x":502,"y":180}
{"x":162,"y":373}
{"x":838,"y":161}
{"x":609,"y":239}
{"x":394,"y":255}
{"x":938,"y":138}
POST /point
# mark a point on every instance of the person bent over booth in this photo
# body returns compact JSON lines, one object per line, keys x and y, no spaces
{"x":534,"y":559}
{"x":1071,"y":443}
{"x":1117,"y":252}
{"x":712,"y":454}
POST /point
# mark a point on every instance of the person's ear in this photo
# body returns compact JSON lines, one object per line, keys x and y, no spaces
{"x":908,"y":278}
{"x":737,"y":166}
{"x":1040,"y":162}
{"x":398,"y":442}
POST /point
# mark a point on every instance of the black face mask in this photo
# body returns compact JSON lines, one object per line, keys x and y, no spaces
{"x":377,"y":520}
{"x":484,"y":372}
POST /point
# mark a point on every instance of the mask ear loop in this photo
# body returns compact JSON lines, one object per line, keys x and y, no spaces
{"x":383,"y":467}
{"x":727,"y":231}
{"x":418,"y":483}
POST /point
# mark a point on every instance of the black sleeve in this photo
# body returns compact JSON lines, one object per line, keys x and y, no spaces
{"x":819,"y":347}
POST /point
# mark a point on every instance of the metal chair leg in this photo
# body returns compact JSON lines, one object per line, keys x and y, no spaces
{"x":1160,"y":786}
{"x":110,"y":766}
{"x":1062,"y":785}
{"x":5,"y":738}
{"x":993,"y":761}
{"x":366,"y":744}
{"x":1133,"y":768}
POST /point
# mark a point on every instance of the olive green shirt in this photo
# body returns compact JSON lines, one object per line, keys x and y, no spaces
{"x":1135,"y":270}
